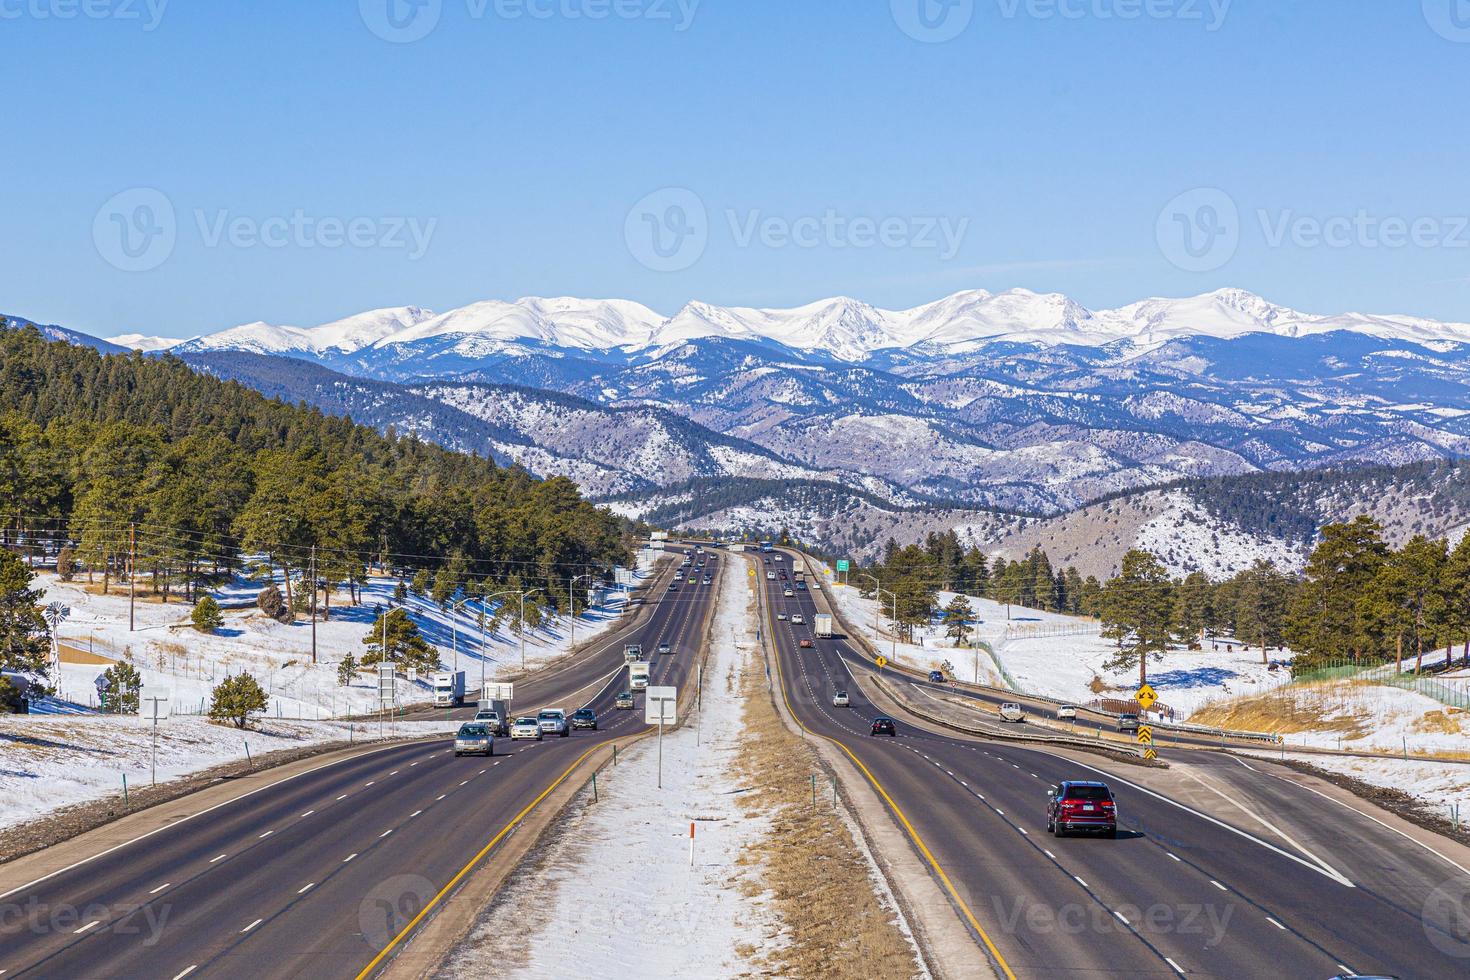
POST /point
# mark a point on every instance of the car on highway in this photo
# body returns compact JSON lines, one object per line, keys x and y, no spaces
{"x":766,"y":560}
{"x":883,"y":725}
{"x":1067,"y":712}
{"x":797,"y":620}
{"x":1012,"y":712}
{"x":624,"y":701}
{"x":474,"y":738}
{"x":1128,"y":722}
{"x":553,"y":721}
{"x":936,"y":676}
{"x":584,"y":718}
{"x":789,"y":594}
{"x":771,"y":576}
{"x":800,"y":586}
{"x":694,"y":580}
{"x":673,"y":586}
{"x":781,"y":617}
{"x":839,"y":699}
{"x":1081,"y":805}
{"x":708,"y":580}
{"x":665,"y":648}
{"x":526,"y":728}
{"x":492,"y":718}
{"x":779,"y":557}
{"x":805,"y":644}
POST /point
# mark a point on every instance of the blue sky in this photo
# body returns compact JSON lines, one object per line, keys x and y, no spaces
{"x":183,"y":167}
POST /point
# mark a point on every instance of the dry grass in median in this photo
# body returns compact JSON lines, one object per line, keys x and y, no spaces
{"x":835,"y":925}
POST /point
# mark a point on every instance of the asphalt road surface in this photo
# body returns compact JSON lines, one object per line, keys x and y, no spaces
{"x":1263,"y":879}
{"x":316,"y":875}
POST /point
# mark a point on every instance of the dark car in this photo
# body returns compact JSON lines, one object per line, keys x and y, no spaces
{"x":936,"y":676}
{"x":1128,"y":723}
{"x":1081,"y":805}
{"x":584,"y":718}
{"x":883,"y":725}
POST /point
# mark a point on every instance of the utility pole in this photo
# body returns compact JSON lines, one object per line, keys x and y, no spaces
{"x":313,"y":603}
{"x":132,"y":571}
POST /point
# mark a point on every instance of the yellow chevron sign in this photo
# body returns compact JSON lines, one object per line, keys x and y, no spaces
{"x":1146,"y":734}
{"x":1150,"y":754}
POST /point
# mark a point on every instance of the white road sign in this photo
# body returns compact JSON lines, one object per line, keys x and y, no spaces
{"x":660,"y":704}
{"x":499,"y":691}
{"x":386,"y":679}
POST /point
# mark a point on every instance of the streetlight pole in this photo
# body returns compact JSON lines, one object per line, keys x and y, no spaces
{"x":484,"y":601}
{"x":572,"y":602}
{"x":878,"y":587}
{"x":522,"y":624}
{"x":454,"y":631}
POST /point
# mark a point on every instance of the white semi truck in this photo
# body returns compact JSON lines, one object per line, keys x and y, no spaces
{"x":822,"y":624}
{"x":449,"y":688}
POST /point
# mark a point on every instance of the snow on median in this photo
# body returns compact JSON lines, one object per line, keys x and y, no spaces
{"x":614,"y":885}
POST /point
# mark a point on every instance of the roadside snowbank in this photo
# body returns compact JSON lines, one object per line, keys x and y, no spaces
{"x":614,"y":886}
{"x":52,"y":761}
{"x":1062,"y":656}
{"x":1440,"y":785}
{"x":173,"y":656}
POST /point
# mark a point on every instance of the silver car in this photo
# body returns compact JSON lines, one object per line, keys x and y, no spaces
{"x":474,"y":738}
{"x":526,"y":728}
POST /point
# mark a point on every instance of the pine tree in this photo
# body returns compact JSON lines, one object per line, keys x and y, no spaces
{"x":120,"y":689}
{"x":236,"y":699}
{"x":1261,"y":603}
{"x":1325,"y":621}
{"x":405,"y":646}
{"x":957,"y":619}
{"x":1191,"y":607}
{"x":1137,"y":611}
{"x":25,"y":639}
{"x":346,"y":671}
{"x":206,"y":616}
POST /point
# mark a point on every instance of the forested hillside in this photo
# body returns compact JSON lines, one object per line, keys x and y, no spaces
{"x":111,"y":455}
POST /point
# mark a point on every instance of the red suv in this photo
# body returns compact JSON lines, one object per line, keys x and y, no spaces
{"x":1081,"y":805}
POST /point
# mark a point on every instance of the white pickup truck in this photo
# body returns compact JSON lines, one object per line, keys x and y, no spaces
{"x":1010,"y":711}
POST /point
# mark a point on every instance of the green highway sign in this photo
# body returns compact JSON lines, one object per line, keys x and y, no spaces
{"x":842,"y":564}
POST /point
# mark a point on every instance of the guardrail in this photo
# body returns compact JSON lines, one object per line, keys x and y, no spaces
{"x":1065,"y":741}
{"x":1023,"y":696}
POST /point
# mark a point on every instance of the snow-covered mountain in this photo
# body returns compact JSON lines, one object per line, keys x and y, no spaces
{"x":841,"y":328}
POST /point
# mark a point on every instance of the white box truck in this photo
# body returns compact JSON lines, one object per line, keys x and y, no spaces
{"x":638,"y":676}
{"x":449,"y":688}
{"x":632,"y":653}
{"x":822,"y":624}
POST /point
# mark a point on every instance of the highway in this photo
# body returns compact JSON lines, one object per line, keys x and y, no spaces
{"x":315,"y":876}
{"x":1243,"y":875}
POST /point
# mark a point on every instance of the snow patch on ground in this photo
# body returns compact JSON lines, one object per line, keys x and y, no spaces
{"x":1441,"y":785}
{"x":172,"y":656}
{"x":616,"y":887}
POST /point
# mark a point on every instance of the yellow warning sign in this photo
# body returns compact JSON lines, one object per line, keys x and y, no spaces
{"x":1146,"y":734}
{"x":1150,"y":754}
{"x":881,"y":661}
{"x":1146,"y":697}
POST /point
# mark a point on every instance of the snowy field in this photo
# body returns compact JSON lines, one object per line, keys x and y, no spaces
{"x":1063,"y":656}
{"x":1359,"y":716}
{"x":52,"y":761}
{"x":659,"y":916}
{"x":174,"y":657}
